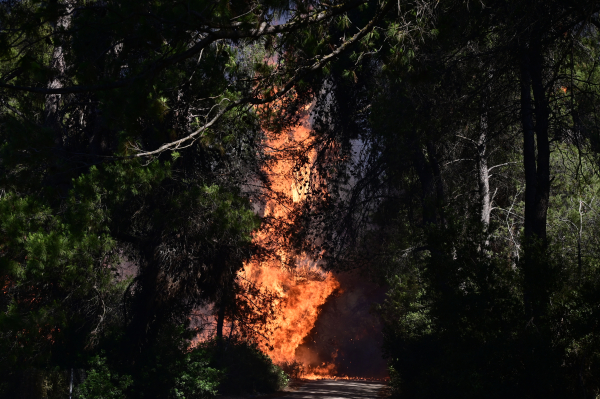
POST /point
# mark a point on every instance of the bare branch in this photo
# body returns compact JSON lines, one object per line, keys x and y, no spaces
{"x":501,"y":164}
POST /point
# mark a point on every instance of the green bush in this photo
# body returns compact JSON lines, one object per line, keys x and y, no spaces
{"x":102,"y":382}
{"x":186,"y":377}
{"x":169,"y":370}
{"x":195,"y":379}
{"x":246,"y":369}
{"x":457,"y":328}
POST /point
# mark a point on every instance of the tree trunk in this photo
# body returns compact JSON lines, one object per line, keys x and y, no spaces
{"x":220,"y":322}
{"x":483,"y":177}
{"x":535,"y":122}
{"x":428,"y":186}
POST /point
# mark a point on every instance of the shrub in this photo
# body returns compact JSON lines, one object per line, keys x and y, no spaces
{"x":102,"y":382}
{"x":195,"y":380}
{"x":246,"y":368}
{"x":294,"y":369}
{"x":169,"y":370}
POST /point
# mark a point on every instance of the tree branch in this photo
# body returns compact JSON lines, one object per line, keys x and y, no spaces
{"x":300,"y":72}
{"x":226,"y":32}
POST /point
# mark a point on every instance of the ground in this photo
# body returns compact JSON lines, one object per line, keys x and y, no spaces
{"x":329,"y":389}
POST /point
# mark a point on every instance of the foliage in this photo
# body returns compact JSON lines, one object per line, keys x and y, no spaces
{"x":454,"y":155}
{"x":294,"y":369}
{"x":57,"y":278}
{"x":102,"y":383}
{"x":465,"y":166}
{"x":170,"y":370}
{"x":460,"y":333}
{"x":246,"y":368}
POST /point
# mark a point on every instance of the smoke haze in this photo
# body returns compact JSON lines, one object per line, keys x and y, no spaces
{"x":347,"y":336}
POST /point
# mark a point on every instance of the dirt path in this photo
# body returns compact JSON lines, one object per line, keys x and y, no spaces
{"x":338,"y":389}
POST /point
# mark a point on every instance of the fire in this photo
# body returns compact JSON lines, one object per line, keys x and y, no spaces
{"x":301,"y":292}
{"x":280,"y":295}
{"x":300,"y":283}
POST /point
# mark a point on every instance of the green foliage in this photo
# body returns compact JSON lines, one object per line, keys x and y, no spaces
{"x":57,"y":275}
{"x":454,"y":316}
{"x":170,"y":369}
{"x":489,"y":297}
{"x":246,"y":369}
{"x":101,"y":382}
{"x":175,"y":373}
{"x":197,"y":380}
{"x":429,"y":92}
{"x":458,"y":333}
{"x":101,"y":248}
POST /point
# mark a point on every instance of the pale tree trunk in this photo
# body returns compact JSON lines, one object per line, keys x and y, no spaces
{"x":483,"y":174}
{"x":53,"y":100}
{"x":483,"y":171}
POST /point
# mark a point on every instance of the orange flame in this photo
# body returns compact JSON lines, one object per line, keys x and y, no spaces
{"x":301,"y":294}
{"x":302,"y":287}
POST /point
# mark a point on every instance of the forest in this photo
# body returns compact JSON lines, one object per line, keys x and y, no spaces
{"x":184,"y":185}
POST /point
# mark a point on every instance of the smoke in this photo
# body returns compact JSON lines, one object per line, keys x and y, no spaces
{"x":347,"y":338}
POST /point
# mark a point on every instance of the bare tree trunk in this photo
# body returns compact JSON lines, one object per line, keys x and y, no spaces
{"x":483,"y":173}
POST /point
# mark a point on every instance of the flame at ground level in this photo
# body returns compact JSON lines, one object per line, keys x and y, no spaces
{"x":301,"y":292}
{"x":325,"y":328}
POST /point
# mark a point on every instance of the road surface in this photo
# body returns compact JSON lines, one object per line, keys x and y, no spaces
{"x":338,"y":389}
